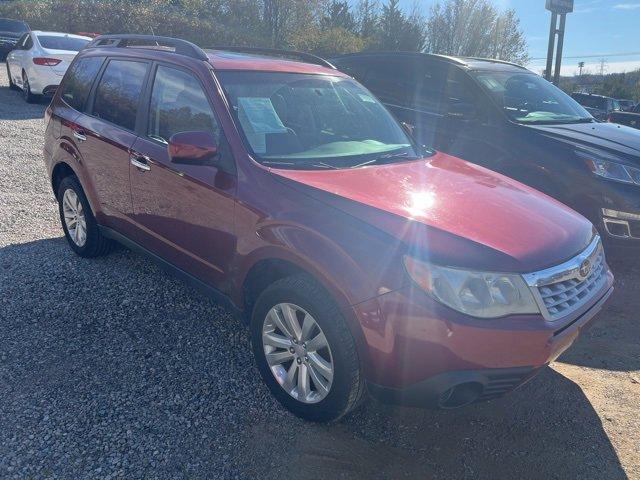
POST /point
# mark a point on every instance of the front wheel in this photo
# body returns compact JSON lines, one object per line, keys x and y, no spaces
{"x":305,"y":352}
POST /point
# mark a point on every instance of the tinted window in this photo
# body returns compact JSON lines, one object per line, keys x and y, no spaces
{"x":390,"y":87}
{"x":28,"y":43}
{"x":14,"y":26}
{"x":21,"y":40}
{"x":77,"y":83}
{"x":62,"y":43}
{"x":118,"y":93}
{"x":178,"y":104}
{"x":430,"y":89}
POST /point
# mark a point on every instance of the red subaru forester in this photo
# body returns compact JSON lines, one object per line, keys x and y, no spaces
{"x":360,"y":260}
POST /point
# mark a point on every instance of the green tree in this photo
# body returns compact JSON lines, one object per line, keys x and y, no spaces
{"x":397,"y":31}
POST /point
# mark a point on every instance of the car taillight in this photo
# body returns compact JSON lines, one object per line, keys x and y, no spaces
{"x":49,"y":62}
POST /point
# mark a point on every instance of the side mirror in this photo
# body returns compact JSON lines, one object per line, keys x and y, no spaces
{"x":193,"y":148}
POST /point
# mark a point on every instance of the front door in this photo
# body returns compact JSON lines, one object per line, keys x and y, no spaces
{"x":184,"y":212}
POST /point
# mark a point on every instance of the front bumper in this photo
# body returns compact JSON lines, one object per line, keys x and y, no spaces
{"x":515,"y":354}
{"x":616,"y":211}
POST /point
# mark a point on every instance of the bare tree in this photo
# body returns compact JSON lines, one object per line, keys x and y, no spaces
{"x":475,"y":28}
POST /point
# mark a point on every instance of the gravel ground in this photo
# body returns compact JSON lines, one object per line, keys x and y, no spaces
{"x":110,"y":368}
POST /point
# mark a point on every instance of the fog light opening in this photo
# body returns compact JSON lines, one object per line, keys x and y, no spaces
{"x":617,"y":228}
{"x":460,"y":395}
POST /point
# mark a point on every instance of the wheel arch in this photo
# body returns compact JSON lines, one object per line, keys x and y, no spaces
{"x":270,"y":265}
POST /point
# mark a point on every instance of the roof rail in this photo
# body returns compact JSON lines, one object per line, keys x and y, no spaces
{"x":373,"y":53}
{"x":181,"y":47}
{"x":495,"y":60}
{"x":274,"y":52}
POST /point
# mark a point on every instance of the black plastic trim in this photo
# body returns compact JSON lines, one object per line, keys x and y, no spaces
{"x":428,"y":393}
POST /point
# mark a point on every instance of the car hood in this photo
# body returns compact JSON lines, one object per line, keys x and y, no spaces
{"x":453,"y":212}
{"x":604,"y":136}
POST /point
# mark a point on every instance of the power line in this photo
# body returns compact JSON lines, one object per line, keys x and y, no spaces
{"x":599,"y":55}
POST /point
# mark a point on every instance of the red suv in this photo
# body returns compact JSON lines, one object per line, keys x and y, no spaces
{"x":360,"y":260}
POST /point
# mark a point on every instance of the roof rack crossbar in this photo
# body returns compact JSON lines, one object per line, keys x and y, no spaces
{"x":181,"y":47}
{"x":305,"y":57}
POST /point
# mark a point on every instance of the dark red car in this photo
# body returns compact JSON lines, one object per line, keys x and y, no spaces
{"x":361,"y":261}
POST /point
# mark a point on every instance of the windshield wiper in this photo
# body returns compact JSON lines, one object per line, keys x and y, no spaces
{"x":381,"y":158}
{"x":302,"y":164}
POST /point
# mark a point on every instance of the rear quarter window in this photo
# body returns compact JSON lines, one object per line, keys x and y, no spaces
{"x":77,"y":83}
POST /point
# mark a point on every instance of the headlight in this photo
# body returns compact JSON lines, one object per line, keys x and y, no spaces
{"x":479,"y":294}
{"x":614,"y":170}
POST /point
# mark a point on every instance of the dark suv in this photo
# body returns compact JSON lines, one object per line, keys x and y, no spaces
{"x":10,"y":31}
{"x":597,"y":105}
{"x":511,"y":120}
{"x":285,"y":190}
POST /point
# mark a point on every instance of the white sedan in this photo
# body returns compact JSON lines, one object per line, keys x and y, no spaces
{"x":39,"y":61}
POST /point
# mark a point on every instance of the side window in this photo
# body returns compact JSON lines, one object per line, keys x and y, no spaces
{"x":178,"y":104}
{"x":460,"y":93}
{"x":356,"y":68}
{"x":118,"y":93}
{"x":20,"y":42}
{"x":77,"y":83}
{"x":389,"y":82}
{"x":430,"y":89}
{"x":28,"y":43}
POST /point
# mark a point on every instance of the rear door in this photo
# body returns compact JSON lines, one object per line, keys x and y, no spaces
{"x":185,"y":212}
{"x":105,"y":134}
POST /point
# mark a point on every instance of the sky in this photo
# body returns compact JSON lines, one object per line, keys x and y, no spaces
{"x":597,"y":29}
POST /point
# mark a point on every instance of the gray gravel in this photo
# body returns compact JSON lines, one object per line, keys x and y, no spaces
{"x":109,"y":368}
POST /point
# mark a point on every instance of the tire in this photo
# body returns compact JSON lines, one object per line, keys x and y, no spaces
{"x":92,"y":243}
{"x":346,"y":388}
{"x":26,"y":90}
{"x":12,"y":86}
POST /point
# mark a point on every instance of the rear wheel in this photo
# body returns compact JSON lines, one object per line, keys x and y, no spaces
{"x":12,"y":85}
{"x":304,"y":350}
{"x":79,"y":224}
{"x":26,"y":90}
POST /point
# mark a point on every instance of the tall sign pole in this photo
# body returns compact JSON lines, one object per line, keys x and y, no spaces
{"x":557,"y":8}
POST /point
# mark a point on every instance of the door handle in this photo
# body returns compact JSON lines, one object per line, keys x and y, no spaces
{"x":141,"y":162}
{"x":79,"y":135}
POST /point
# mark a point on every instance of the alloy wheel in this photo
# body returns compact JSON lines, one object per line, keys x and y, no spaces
{"x":74,"y":218}
{"x":297,"y":352}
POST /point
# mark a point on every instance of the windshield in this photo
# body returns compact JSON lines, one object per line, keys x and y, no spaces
{"x":529,"y":98}
{"x":62,"y":43}
{"x":293,"y":120}
{"x":13,"y":26}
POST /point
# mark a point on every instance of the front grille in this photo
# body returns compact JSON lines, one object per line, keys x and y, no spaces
{"x":563,"y":297}
{"x":564,"y":289}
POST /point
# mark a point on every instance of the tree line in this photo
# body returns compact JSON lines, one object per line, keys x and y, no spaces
{"x":324,"y":27}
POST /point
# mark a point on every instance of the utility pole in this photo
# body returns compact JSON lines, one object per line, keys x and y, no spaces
{"x":557,"y":8}
{"x":581,"y":66}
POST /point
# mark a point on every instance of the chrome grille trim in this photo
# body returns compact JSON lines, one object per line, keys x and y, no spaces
{"x":563,"y":289}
